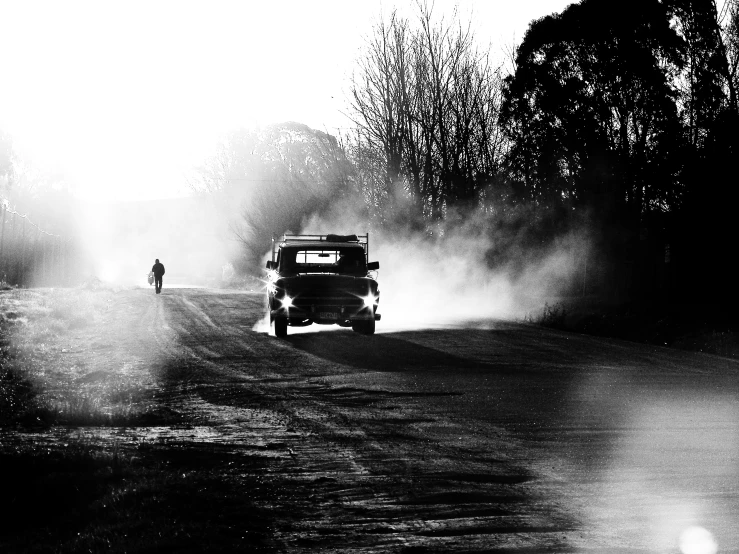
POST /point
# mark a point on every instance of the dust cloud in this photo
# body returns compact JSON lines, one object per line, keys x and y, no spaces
{"x":450,"y":280}
{"x":120,"y":241}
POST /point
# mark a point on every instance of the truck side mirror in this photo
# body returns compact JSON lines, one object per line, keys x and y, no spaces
{"x":373,"y":266}
{"x":271,"y":265}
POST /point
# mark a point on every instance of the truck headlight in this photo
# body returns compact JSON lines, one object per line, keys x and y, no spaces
{"x":270,"y":285}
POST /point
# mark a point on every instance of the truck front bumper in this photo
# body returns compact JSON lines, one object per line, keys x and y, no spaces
{"x":325,"y":314}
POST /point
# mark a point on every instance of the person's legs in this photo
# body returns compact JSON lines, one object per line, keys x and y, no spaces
{"x":158,"y":284}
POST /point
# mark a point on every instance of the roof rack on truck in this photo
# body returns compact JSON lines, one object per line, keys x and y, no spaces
{"x":292,"y":238}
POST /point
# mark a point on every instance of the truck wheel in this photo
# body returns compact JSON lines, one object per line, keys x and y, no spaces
{"x":364,"y":327}
{"x":281,"y":327}
{"x":369,"y":327}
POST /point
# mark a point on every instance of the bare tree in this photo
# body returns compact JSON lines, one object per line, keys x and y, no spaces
{"x":427,"y":102}
{"x":378,"y":96}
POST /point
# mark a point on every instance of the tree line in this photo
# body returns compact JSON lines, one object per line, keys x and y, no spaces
{"x":630,"y":117}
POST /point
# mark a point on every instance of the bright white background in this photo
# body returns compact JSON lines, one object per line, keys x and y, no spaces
{"x":124,"y":98}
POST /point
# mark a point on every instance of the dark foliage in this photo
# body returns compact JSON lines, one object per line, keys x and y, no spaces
{"x":621,"y":114}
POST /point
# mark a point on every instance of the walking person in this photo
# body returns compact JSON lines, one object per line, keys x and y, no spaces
{"x":158,"y":271}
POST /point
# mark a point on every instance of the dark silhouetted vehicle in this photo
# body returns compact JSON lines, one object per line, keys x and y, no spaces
{"x":322,"y":279}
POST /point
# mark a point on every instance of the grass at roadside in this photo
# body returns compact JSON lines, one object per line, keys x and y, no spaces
{"x":64,"y":491}
{"x":699,"y":328}
{"x":19,"y":391}
{"x":83,"y":497}
{"x":39,"y":385}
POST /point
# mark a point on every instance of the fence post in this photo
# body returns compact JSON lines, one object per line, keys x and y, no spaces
{"x":38,"y":270}
{"x":2,"y":238}
{"x":45,"y":260}
{"x":62,"y":262}
{"x":17,"y":232}
{"x":9,"y":250}
{"x":58,"y":262}
{"x":22,"y":261}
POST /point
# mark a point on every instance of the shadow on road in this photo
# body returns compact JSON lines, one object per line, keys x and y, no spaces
{"x":379,"y":352}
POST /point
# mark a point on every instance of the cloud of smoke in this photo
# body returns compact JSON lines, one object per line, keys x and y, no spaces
{"x":453,"y":279}
{"x":449,"y":282}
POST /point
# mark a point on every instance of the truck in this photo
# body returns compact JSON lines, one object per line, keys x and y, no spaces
{"x":322,"y":279}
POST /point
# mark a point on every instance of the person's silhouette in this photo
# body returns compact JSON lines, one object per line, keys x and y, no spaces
{"x":158,"y":271}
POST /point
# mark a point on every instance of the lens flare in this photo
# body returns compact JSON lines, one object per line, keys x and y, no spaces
{"x":287,"y":302}
{"x":697,"y":540}
{"x":269,"y":282}
{"x":369,"y":300}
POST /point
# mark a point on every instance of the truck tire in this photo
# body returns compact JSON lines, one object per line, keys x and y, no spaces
{"x":369,"y":327}
{"x":366,"y":327}
{"x":281,"y":327}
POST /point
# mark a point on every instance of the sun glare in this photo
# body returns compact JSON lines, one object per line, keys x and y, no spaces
{"x":697,"y":540}
{"x":124,"y":99}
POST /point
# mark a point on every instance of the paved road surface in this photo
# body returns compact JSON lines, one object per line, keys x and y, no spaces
{"x":478,"y":437}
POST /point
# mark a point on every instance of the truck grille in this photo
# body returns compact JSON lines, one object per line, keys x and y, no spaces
{"x":323,"y":299}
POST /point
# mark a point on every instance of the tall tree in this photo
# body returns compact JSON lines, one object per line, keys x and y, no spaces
{"x":590,"y":102}
{"x":710,"y":115}
{"x":706,"y":85}
{"x":382,"y":92}
{"x":590,"y":112}
{"x":426,"y":101}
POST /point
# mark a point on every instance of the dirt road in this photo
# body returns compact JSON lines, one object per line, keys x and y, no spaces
{"x":481,"y":437}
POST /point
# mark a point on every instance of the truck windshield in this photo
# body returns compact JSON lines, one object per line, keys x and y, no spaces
{"x":346,"y":261}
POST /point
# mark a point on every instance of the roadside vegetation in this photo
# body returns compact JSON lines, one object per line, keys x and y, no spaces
{"x":698,"y":328}
{"x":39,"y":388}
{"x":85,"y":497}
{"x":74,"y":481}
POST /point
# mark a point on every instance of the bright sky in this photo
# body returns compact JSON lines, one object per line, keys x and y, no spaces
{"x":124,"y":97}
